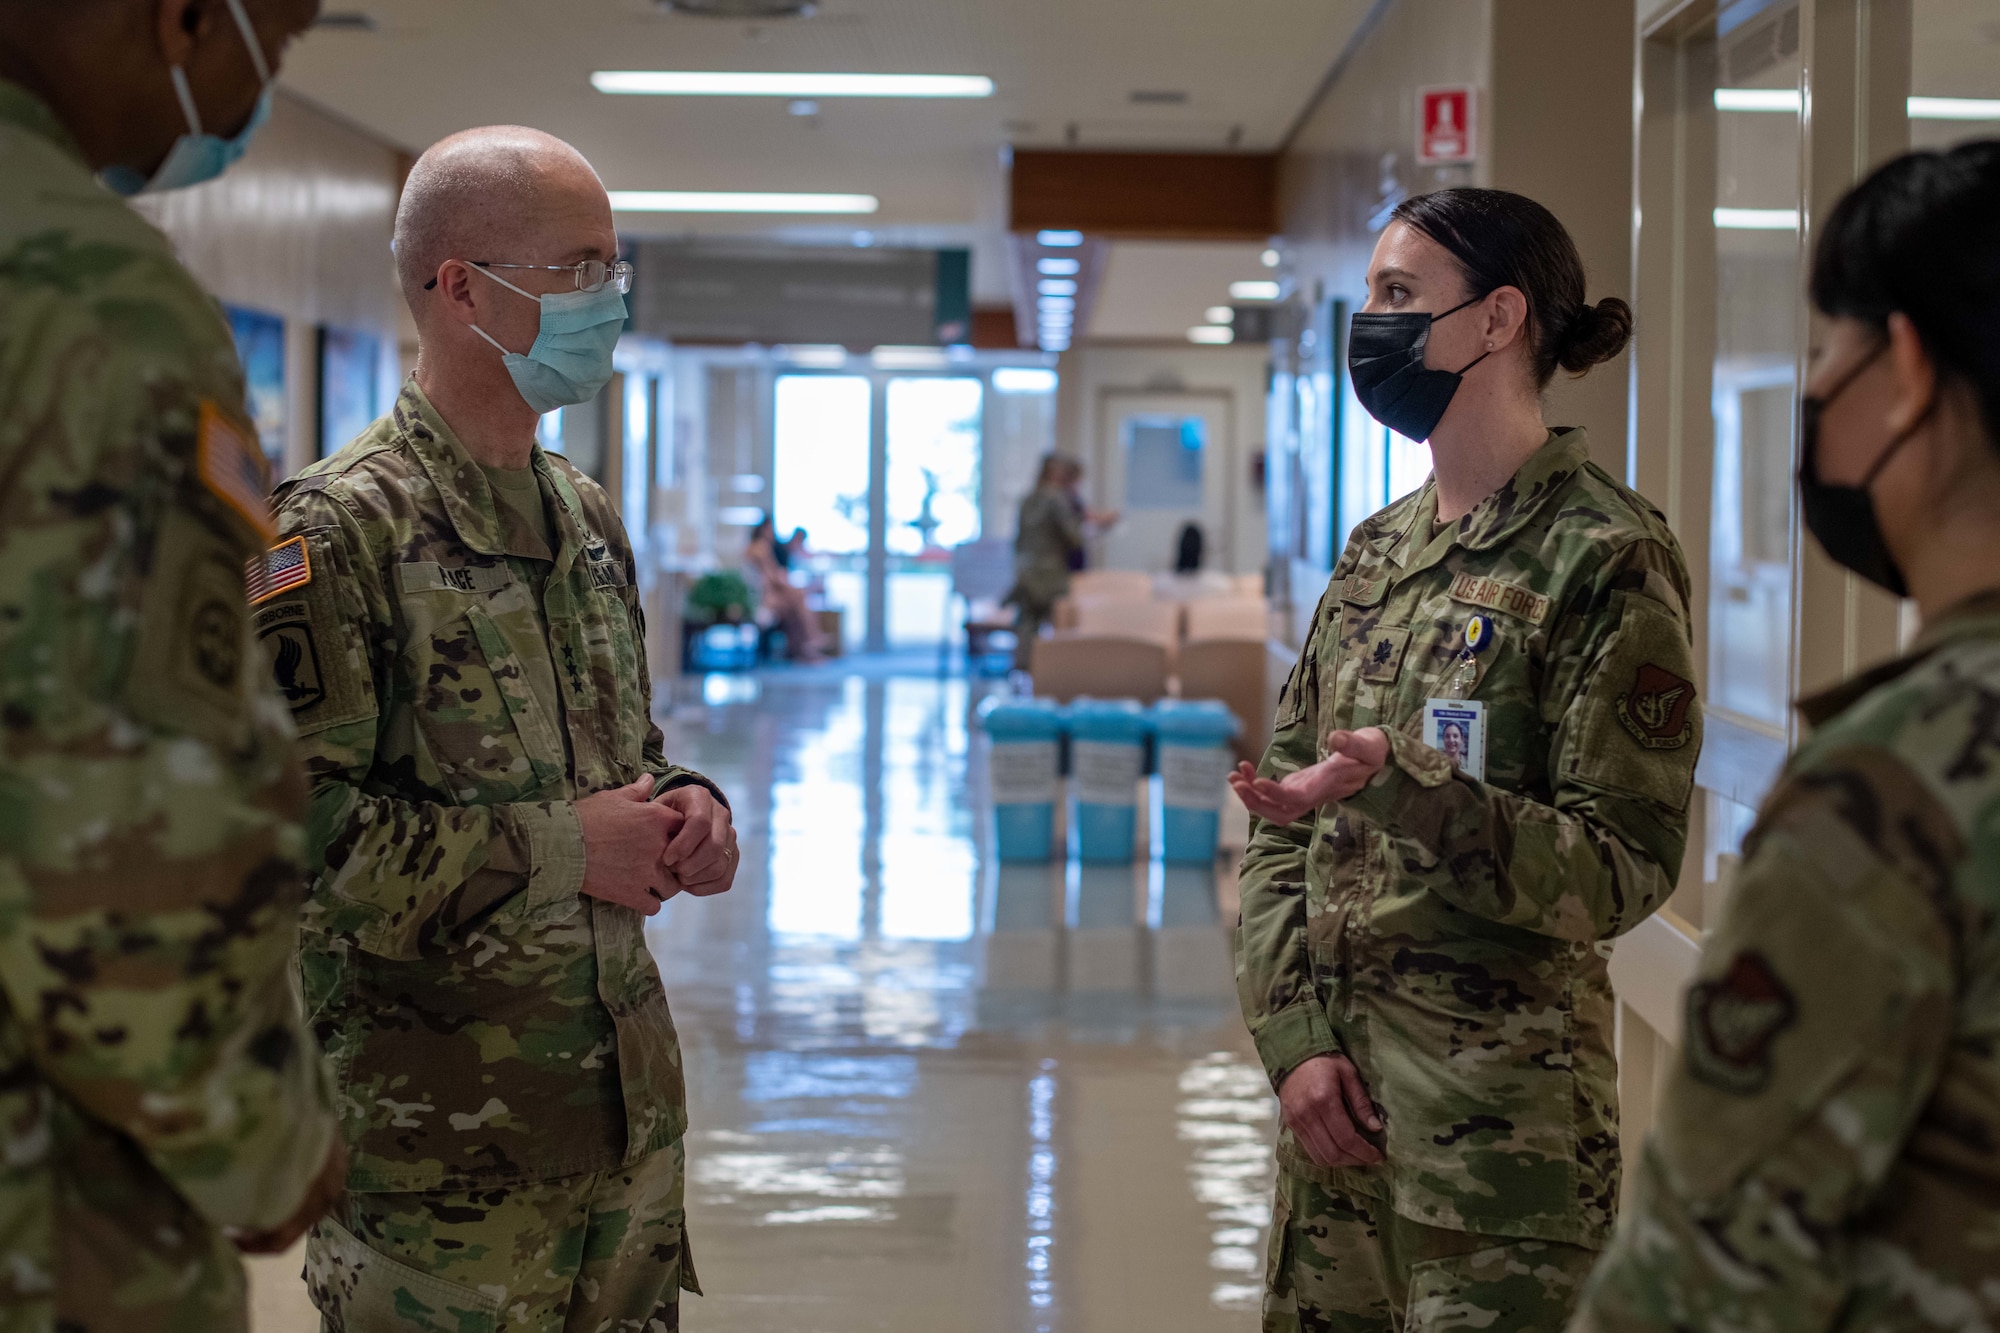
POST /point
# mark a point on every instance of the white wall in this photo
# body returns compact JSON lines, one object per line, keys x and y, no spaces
{"x":1237,"y":374}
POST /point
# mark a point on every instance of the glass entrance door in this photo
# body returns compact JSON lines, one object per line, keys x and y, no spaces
{"x":883,"y":475}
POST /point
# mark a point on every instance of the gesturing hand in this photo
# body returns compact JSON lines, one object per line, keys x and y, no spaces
{"x":1326,"y":1106}
{"x":1356,"y":757}
{"x":625,"y":836}
{"x":701,"y":857}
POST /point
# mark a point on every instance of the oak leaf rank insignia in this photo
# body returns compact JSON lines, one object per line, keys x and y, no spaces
{"x":1655,"y":709}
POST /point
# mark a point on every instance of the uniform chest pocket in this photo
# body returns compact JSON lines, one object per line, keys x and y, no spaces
{"x":491,"y":733}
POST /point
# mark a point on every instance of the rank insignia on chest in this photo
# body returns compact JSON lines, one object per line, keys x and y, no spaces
{"x":1733,"y":1022}
{"x":1655,"y":709}
{"x":285,"y":566}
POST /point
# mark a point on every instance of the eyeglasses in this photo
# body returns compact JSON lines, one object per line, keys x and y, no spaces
{"x":591,"y":274}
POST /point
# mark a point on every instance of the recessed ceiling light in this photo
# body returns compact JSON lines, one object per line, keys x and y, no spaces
{"x":1758,"y":99}
{"x":1271,"y":258}
{"x":1023,"y":379}
{"x":1058,"y":268}
{"x":1757,"y":219}
{"x":1059,"y":240}
{"x":1253,"y":291}
{"x":1219,"y":314}
{"x":1211,"y":333}
{"x":1048,"y":303}
{"x":1954,"y":108}
{"x":1056,"y":287}
{"x":699,"y":201}
{"x":706,"y":83}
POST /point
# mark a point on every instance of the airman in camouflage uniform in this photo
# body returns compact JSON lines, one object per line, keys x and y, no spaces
{"x":466,"y":665}
{"x":159,"y":1091}
{"x":1824,"y":1156}
{"x":1048,"y":542}
{"x":1450,"y":936}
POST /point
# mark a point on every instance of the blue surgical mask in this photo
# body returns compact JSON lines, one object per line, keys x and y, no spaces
{"x":197,"y":157}
{"x":571,"y":358}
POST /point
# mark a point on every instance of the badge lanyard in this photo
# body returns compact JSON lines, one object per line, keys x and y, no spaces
{"x":1463,"y":673}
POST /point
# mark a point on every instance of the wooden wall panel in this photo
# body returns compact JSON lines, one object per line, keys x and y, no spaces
{"x":1187,"y":196}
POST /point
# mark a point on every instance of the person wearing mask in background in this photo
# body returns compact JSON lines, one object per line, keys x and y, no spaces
{"x":1422,"y":949}
{"x":1049,"y":536}
{"x":453,"y":614}
{"x":1827,"y":1149}
{"x":158,"y":1091}
{"x":767,"y":558}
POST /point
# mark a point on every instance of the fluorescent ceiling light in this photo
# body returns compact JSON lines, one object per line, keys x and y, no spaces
{"x":711,"y":201}
{"x":1758,"y":99}
{"x":1757,"y":219}
{"x":704,"y":83}
{"x":1057,"y":319}
{"x":1056,"y":287}
{"x":909,"y":358}
{"x":1023,"y":379}
{"x":1271,"y":258}
{"x":1059,"y":240}
{"x":1048,"y":303}
{"x":1253,"y":291}
{"x":1219,"y":314}
{"x":1211,"y":333}
{"x":1955,"y":108}
{"x":1059,"y":268}
{"x":818,"y":356}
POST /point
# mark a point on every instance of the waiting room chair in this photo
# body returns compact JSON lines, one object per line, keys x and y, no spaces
{"x":1129,"y":584}
{"x":1236,"y":672}
{"x":1228,"y":618}
{"x":1101,"y":665}
{"x":1158,"y":621}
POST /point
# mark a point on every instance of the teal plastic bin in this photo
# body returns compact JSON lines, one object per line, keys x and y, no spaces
{"x":1024,"y":772}
{"x":1107,"y":759}
{"x":1194,"y":763}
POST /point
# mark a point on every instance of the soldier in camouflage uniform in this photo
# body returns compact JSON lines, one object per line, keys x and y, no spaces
{"x":1048,"y":544}
{"x":1827,"y":1153}
{"x":159,"y":1092}
{"x":1422,"y":950}
{"x":454,"y":614}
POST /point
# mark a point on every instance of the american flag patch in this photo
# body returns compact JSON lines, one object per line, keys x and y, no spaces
{"x":280,"y":569}
{"x":233,"y":467}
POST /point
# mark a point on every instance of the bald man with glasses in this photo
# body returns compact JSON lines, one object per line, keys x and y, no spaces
{"x":453,"y":615}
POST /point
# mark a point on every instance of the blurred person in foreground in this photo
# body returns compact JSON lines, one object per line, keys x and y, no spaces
{"x":454,"y":615}
{"x":1480,"y":773}
{"x":1827,"y":1150}
{"x":159,"y":1093}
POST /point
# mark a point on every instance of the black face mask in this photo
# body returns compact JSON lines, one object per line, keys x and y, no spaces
{"x":1385,"y":359}
{"x":1842,"y":518}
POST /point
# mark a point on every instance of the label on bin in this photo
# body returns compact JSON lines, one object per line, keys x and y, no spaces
{"x":1193,"y":777}
{"x":1023,"y":772}
{"x":1105,"y":772}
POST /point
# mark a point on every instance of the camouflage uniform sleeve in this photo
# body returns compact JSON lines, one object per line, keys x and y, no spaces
{"x":1274,"y":981}
{"x":1606,"y":852}
{"x":150,"y":870}
{"x":666,"y":776}
{"x":402,"y":878}
{"x":1816,"y":1030}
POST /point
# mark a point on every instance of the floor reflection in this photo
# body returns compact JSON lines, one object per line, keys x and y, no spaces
{"x":932,"y":1092}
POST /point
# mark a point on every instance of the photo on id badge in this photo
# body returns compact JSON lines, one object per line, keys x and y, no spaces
{"x":1457,"y":729}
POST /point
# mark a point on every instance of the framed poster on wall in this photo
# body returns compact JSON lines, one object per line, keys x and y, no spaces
{"x":260,"y":346}
{"x":350,"y":386}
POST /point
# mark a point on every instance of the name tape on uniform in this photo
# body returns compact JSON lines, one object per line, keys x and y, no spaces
{"x":1495,"y":595}
{"x":430,"y":576}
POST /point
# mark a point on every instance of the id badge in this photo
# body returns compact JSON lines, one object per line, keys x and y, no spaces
{"x":1457,"y":729}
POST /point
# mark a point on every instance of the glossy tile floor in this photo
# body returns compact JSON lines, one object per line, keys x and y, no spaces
{"x":929,"y":1092}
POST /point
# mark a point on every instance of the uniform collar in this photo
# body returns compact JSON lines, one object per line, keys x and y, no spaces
{"x":1977,"y":617}
{"x":468,"y":498}
{"x":23,"y":110}
{"x":1500,"y":515}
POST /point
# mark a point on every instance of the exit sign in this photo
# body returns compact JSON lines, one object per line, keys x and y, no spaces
{"x":1444,"y":125}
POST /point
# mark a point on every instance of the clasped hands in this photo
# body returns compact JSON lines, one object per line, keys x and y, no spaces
{"x":1354,"y":757}
{"x":1330,"y":1112}
{"x":640,"y":851}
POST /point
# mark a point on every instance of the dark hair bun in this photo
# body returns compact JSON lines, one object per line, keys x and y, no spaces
{"x":1595,"y":335}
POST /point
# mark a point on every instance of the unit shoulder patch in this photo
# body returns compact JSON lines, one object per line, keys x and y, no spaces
{"x":286,"y":566}
{"x":1498,"y":595}
{"x":232,"y":466}
{"x":1655,"y":709}
{"x":1732,"y":1023}
{"x":286,"y":633}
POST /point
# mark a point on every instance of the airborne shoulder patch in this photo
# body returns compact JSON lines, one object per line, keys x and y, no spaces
{"x":1733,"y":1021}
{"x":286,"y":566}
{"x":285,"y":631}
{"x":1655,"y":709}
